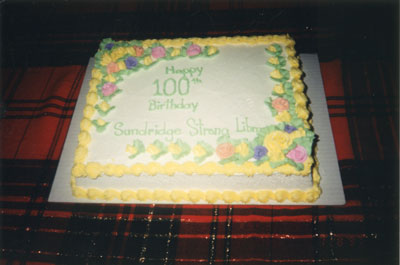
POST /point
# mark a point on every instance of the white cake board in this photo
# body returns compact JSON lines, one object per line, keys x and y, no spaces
{"x":331,"y":183}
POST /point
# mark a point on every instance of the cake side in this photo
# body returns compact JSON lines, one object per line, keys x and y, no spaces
{"x":283,"y":146}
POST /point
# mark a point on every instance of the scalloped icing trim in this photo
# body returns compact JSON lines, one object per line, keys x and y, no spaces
{"x":93,"y":170}
{"x":197,"y":196}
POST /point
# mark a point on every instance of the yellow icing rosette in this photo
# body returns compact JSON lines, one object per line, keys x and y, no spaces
{"x":118,"y":53}
{"x":88,"y":111}
{"x":175,"y":52}
{"x":271,"y":48}
{"x":110,"y":78}
{"x":276,"y":74}
{"x":147,"y":60}
{"x":131,"y":51}
{"x":104,"y":106}
{"x":283,"y":116}
{"x":101,"y":122}
{"x":198,"y":150}
{"x":278,"y":88}
{"x":174,"y":149}
{"x":276,"y":142}
{"x":242,"y":149}
{"x":106,"y":59}
{"x":212,"y":50}
{"x":121,"y":65}
{"x":131,"y":149}
{"x":273,"y":60}
{"x":93,"y":84}
{"x":152,"y":149}
{"x":91,"y":98}
{"x":96,"y":73}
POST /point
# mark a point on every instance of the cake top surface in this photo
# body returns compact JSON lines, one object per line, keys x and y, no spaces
{"x":197,"y":107}
{"x":235,"y":103}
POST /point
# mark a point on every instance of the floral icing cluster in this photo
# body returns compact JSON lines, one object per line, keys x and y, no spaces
{"x":114,"y":60}
{"x":288,"y":106}
{"x":283,"y":106}
{"x":276,"y":144}
{"x":178,"y":149}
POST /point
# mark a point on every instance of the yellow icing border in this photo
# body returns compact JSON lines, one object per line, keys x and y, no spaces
{"x":196,"y":196}
{"x":94,"y":170}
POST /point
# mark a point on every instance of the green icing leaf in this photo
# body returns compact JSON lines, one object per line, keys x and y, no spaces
{"x":139,"y":146}
{"x":100,"y":128}
{"x":298,"y":166}
{"x":187,"y":45}
{"x":297,"y":122}
{"x":185,"y":149}
{"x":285,"y":76}
{"x":261,"y":161}
{"x":268,"y":102}
{"x":232,"y":158}
{"x":276,"y":164}
{"x":277,"y":47}
{"x":292,"y":146}
{"x":207,"y":148}
{"x":281,"y":62}
{"x":306,"y":142}
{"x":102,"y":112}
{"x":223,"y":139}
{"x":134,"y":43}
{"x":206,"y":52}
{"x":104,"y":42}
{"x":161,"y":146}
{"x":288,"y":87}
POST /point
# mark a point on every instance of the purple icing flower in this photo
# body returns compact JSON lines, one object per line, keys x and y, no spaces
{"x":131,"y":62}
{"x":158,"y":52}
{"x":289,"y":128}
{"x":298,"y":154}
{"x":109,"y":46}
{"x":193,"y":50}
{"x":260,"y":151}
{"x":108,"y":89}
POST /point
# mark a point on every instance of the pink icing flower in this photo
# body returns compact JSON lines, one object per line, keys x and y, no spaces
{"x":298,"y":154}
{"x":139,"y":51}
{"x":108,"y":89}
{"x":280,"y":104}
{"x":112,"y":68}
{"x":193,"y":50}
{"x":158,"y":52}
{"x":225,"y":150}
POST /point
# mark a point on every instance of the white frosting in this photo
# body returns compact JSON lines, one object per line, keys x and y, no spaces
{"x":229,"y":92}
{"x":201,"y":182}
{"x":234,"y":85}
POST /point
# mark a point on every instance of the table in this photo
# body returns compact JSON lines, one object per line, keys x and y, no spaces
{"x":43,"y":69}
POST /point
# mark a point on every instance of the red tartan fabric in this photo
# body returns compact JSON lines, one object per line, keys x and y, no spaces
{"x":331,"y":75}
{"x":39,"y":110}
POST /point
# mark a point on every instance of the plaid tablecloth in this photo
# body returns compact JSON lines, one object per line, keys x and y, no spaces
{"x":37,"y":106}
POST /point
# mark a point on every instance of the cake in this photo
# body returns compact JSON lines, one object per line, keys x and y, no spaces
{"x":197,"y":120}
